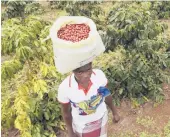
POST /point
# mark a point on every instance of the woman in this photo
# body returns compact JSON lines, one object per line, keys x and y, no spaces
{"x":83,"y":97}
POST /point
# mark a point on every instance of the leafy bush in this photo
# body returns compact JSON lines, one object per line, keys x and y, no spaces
{"x":29,"y":79}
{"x":140,"y":72}
{"x":162,"y":9}
{"x":9,"y":68}
{"x":14,"y":9}
{"x":4,"y":3}
{"x":58,"y":4}
{"x":145,"y":121}
{"x":167,"y":130}
{"x":21,"y":9}
{"x":69,"y":4}
{"x":89,"y":9}
{"x":34,"y":8}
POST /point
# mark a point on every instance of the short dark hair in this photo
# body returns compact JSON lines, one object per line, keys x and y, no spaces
{"x":77,"y":69}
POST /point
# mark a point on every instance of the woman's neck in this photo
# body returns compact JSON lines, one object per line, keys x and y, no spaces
{"x":84,"y":85}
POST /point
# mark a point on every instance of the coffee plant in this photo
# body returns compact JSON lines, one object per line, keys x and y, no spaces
{"x":161,"y":8}
{"x":29,"y":79}
{"x":58,"y":4}
{"x":4,"y":3}
{"x":14,"y":9}
{"x":141,"y":72}
{"x":167,"y":129}
{"x":33,"y":8}
{"x":21,"y":9}
{"x":89,"y":9}
{"x":63,"y":4}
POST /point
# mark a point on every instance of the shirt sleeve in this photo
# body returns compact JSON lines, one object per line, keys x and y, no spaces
{"x":102,"y":78}
{"x":62,"y":95}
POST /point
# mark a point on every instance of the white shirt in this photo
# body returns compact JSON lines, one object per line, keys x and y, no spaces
{"x":84,"y":110}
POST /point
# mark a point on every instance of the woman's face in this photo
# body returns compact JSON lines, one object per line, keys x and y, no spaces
{"x":83,"y":74}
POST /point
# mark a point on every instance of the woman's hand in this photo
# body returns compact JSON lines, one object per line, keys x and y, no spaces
{"x":116,"y":118}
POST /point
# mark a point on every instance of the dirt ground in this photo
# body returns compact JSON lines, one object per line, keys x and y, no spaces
{"x":147,"y":118}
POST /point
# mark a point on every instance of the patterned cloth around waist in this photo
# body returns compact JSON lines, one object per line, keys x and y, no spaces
{"x":96,"y":128}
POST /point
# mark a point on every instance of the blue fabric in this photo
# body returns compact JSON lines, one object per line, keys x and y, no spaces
{"x":104,"y":91}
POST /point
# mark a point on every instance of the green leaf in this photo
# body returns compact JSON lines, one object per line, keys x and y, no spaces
{"x":51,"y":94}
{"x":140,"y":66}
{"x":164,"y":63}
{"x":120,"y":91}
{"x":43,"y":85}
{"x":47,"y":117}
{"x":121,"y":16}
{"x":52,"y":135}
{"x":44,"y":69}
{"x":143,"y":84}
{"x":46,"y":133}
{"x":36,"y":87}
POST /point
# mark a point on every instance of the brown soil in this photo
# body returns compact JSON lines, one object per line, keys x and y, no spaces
{"x":128,"y":123}
{"x":11,"y":133}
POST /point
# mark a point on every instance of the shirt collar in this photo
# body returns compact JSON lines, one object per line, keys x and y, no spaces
{"x":73,"y":82}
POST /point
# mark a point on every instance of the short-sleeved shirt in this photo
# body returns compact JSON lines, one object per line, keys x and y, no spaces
{"x":87,"y":106}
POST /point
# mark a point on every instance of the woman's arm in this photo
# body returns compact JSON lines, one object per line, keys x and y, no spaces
{"x":66,"y":113}
{"x":108,"y":101}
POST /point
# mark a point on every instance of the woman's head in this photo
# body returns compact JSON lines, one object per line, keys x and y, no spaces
{"x":83,"y":73}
